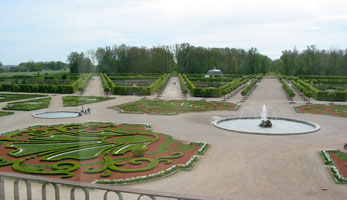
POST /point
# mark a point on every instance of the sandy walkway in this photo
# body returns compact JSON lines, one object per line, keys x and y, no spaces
{"x":239,"y":166}
{"x":94,"y":87}
{"x":172,"y":89}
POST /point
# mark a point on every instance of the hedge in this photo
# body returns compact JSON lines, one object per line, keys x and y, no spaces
{"x":289,"y":91}
{"x":139,"y":90}
{"x":323,"y":95}
{"x":105,"y":82}
{"x":217,"y":92}
{"x":245,"y":91}
{"x":45,"y":88}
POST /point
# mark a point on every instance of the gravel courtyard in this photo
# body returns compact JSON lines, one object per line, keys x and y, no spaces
{"x":238,"y":166}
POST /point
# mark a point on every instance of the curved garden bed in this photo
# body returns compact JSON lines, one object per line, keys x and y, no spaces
{"x":334,"y":110}
{"x":96,"y":152}
{"x":172,"y":107}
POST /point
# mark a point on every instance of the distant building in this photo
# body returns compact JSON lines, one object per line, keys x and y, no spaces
{"x":214,"y":73}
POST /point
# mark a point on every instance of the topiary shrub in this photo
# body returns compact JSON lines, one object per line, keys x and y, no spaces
{"x":139,"y":151}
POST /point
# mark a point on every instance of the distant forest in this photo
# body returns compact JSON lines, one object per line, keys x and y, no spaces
{"x":185,"y":58}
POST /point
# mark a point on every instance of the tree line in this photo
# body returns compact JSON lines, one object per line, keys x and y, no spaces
{"x":183,"y":58}
{"x":313,"y":61}
{"x":186,"y":58}
{"x":32,"y":66}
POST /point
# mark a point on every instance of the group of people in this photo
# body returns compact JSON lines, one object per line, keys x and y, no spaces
{"x":84,"y":111}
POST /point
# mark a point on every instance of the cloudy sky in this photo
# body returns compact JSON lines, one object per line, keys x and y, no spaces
{"x":45,"y":30}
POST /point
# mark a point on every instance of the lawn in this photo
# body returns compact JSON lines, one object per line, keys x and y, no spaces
{"x":2,"y":113}
{"x":12,"y":97}
{"x":98,"y":152}
{"x":173,"y":107}
{"x":81,"y":100}
{"x":29,"y":105}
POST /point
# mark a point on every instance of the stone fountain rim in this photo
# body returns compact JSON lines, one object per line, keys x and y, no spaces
{"x":315,"y":126}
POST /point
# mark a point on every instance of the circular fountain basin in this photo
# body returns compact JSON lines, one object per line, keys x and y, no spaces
{"x":280,"y":126}
{"x":56,"y":115}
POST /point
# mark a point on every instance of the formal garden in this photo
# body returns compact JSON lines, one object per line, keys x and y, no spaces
{"x":334,"y":110}
{"x":13,"y":97}
{"x":64,"y":83}
{"x":337,"y":164}
{"x":322,"y":88}
{"x":97,"y":152}
{"x":201,"y":86}
{"x":82,"y":100}
{"x":173,"y":107}
{"x":28,"y":105}
{"x":134,"y":84}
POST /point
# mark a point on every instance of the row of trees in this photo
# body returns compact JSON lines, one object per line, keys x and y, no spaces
{"x":313,"y":62}
{"x":186,"y":58}
{"x":32,"y":66}
{"x":192,"y":59}
{"x":126,"y":59}
{"x":183,"y":58}
{"x":79,"y":63}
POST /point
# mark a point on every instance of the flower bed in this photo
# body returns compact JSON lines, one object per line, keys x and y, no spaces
{"x":338,"y":164}
{"x":96,"y":152}
{"x":28,"y":105}
{"x":81,"y":100}
{"x":172,"y":107}
{"x":334,"y":110}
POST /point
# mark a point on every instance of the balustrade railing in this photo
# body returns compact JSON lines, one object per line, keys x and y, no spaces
{"x":11,"y":187}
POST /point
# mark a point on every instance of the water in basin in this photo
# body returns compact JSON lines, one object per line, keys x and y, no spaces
{"x":279,"y":126}
{"x":56,"y":115}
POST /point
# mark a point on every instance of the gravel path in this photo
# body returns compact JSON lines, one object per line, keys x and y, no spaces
{"x":172,"y":89}
{"x":240,"y":166}
{"x":94,"y":87}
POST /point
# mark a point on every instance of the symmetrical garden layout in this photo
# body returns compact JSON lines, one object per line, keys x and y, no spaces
{"x":338,"y":164}
{"x":96,"y":152}
{"x":173,"y":107}
{"x":335,"y":110}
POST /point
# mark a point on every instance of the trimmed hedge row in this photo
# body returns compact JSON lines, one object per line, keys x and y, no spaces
{"x":105,"y":84}
{"x":299,"y":87}
{"x":245,"y":91}
{"x":217,"y":92}
{"x":323,"y":95}
{"x":61,"y":89}
{"x":289,"y":91}
{"x":321,"y":77}
{"x":139,"y":90}
{"x":182,"y":83}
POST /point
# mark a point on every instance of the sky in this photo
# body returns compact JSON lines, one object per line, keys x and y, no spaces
{"x":47,"y":30}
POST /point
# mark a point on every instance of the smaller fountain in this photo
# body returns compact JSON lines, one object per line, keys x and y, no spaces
{"x":265,"y":123}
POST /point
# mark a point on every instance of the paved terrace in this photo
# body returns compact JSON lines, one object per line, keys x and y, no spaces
{"x":240,"y":166}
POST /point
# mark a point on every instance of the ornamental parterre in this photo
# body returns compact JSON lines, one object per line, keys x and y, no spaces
{"x":173,"y":107}
{"x":335,"y":110}
{"x":96,"y":152}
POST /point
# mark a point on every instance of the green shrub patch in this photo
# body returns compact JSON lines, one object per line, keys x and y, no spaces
{"x":113,"y":154}
{"x":2,"y":113}
{"x":12,"y":97}
{"x":334,"y":110}
{"x":172,"y":107}
{"x":81,"y":100}
{"x":65,"y":84}
{"x":34,"y":104}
